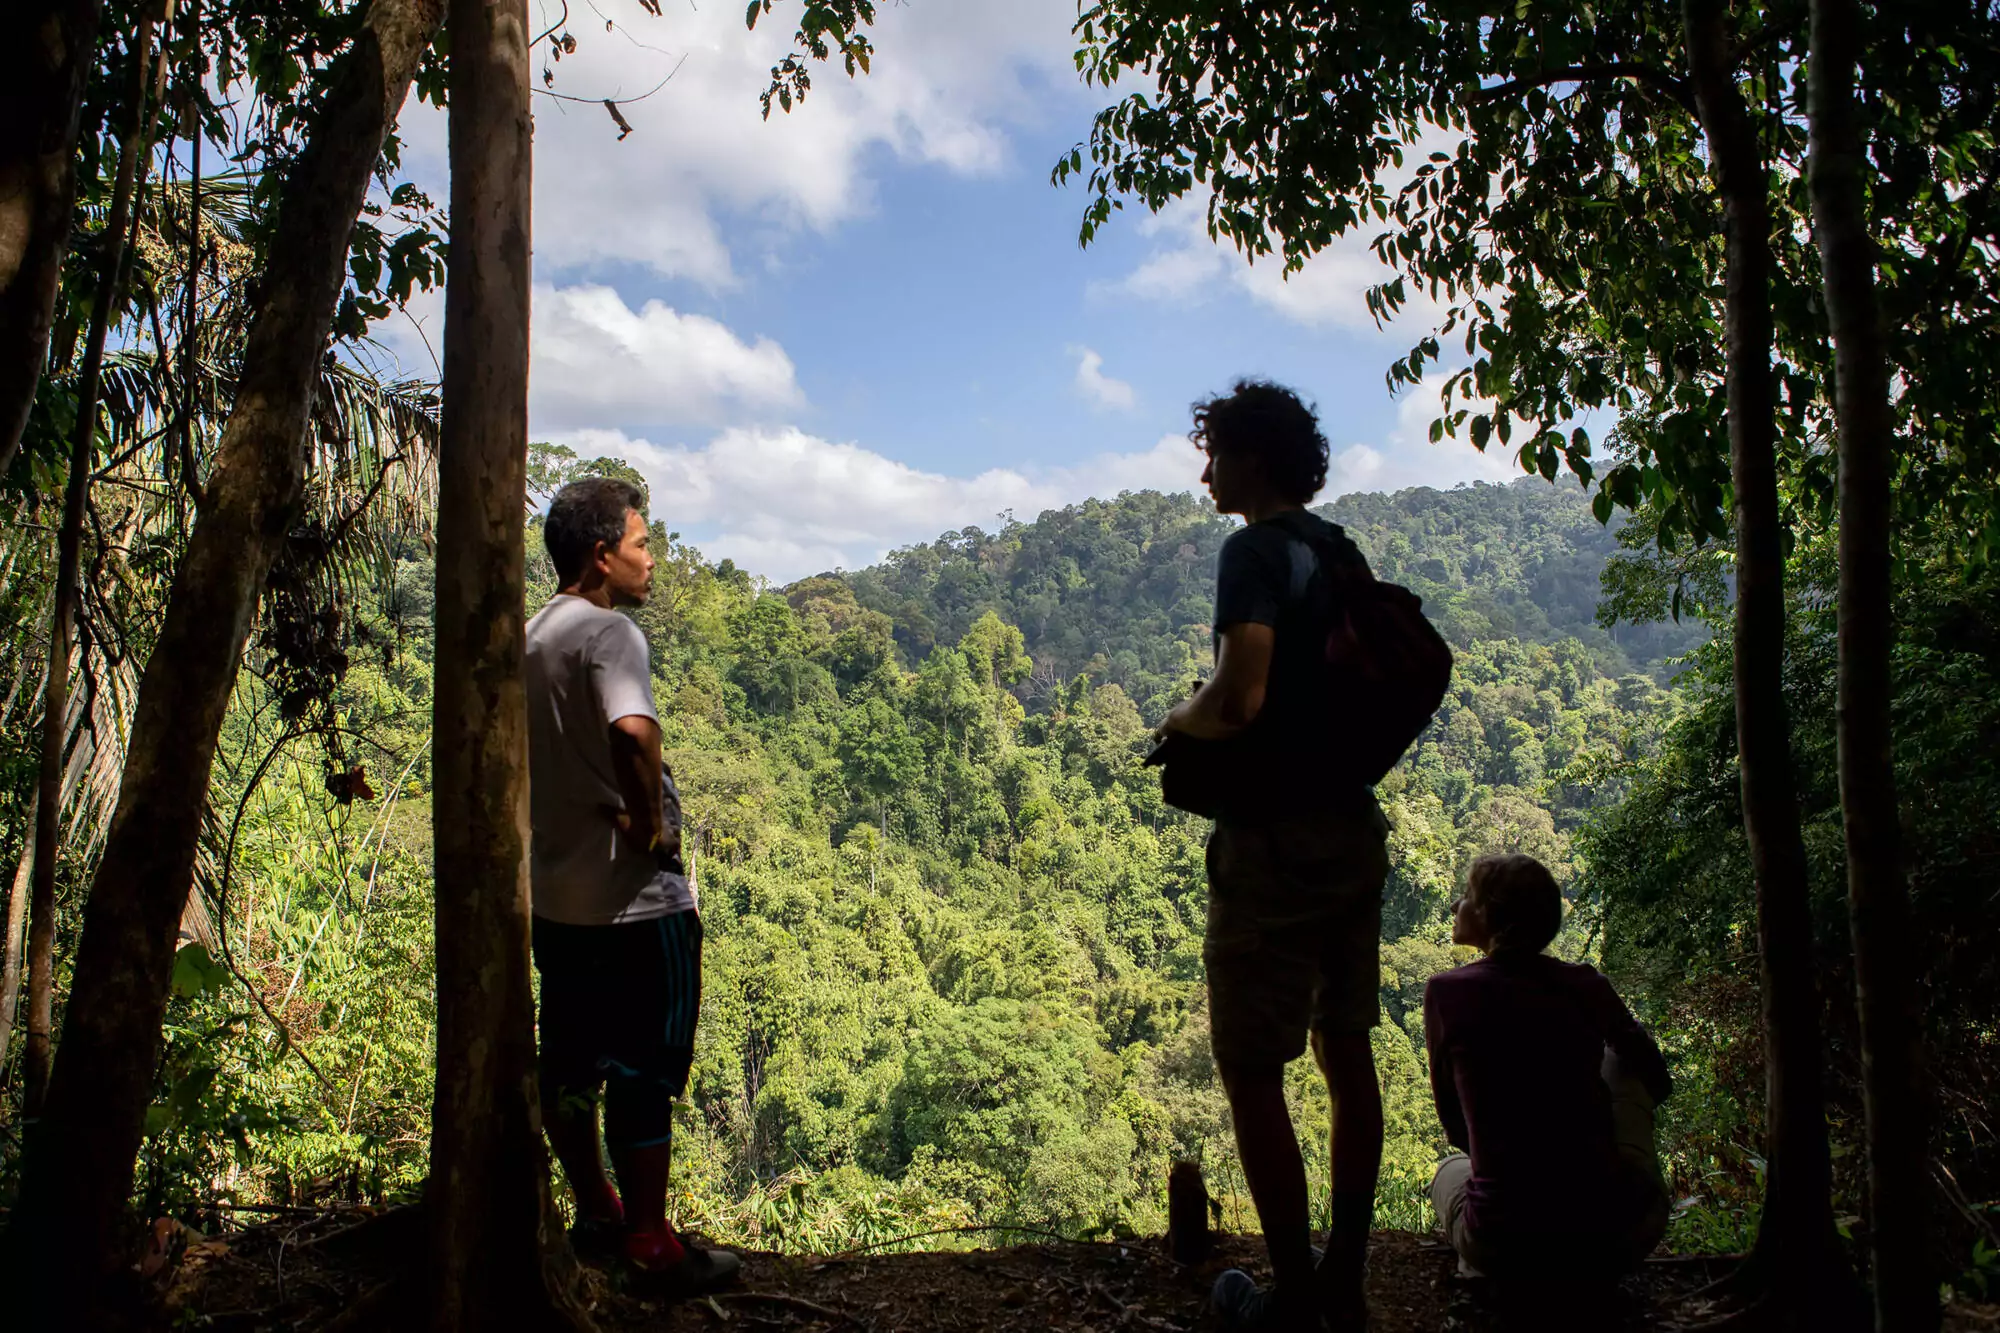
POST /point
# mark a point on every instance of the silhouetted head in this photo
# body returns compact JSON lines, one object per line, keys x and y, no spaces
{"x":1264,"y":445}
{"x":1511,"y":904}
{"x":596,"y":535}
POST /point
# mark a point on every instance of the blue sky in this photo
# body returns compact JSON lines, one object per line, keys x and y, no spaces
{"x":835,"y":333}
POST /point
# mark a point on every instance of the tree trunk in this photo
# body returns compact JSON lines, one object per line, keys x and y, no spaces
{"x":77,"y":1169}
{"x":62,"y":621}
{"x":1797,"y":1262}
{"x":1878,"y":895}
{"x":17,"y":938}
{"x":41,"y":101}
{"x":498,"y":1255}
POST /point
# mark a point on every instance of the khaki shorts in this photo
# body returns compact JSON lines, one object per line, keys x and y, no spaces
{"x":1294,"y":933}
{"x":1623,"y":1239}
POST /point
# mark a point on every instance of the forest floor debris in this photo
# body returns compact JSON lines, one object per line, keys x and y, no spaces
{"x":298,"y":1274}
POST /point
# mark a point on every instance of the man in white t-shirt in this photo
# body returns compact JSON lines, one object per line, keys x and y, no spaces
{"x":617,"y":940}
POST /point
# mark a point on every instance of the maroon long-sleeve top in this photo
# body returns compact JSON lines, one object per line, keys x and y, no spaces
{"x":1516,"y":1046}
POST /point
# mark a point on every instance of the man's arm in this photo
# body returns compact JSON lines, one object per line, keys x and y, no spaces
{"x":1230,"y":699}
{"x":635,"y":763}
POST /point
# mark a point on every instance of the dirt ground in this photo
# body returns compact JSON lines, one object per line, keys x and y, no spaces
{"x":306,"y":1273}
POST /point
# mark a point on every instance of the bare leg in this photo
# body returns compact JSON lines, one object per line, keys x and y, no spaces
{"x":1274,"y":1170}
{"x":1347,"y":1062}
{"x":579,"y":1148}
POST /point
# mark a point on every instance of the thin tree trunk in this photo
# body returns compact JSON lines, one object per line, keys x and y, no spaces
{"x":1796,"y":1261}
{"x":41,"y":102}
{"x":498,"y":1256}
{"x":17,"y":935}
{"x":188,"y":362}
{"x":1878,"y":895}
{"x":62,"y":623}
{"x":77,"y":1169}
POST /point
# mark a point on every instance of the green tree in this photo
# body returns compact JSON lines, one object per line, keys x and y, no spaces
{"x":77,"y":1173}
{"x":1287,"y":115}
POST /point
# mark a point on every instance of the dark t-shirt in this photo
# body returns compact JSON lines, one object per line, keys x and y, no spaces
{"x":1269,"y":574}
{"x":1516,"y":1045}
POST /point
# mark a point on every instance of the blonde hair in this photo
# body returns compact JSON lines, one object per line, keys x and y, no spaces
{"x":1519,"y":900}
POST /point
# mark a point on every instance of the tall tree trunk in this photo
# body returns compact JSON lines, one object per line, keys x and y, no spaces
{"x":11,"y":949}
{"x":1797,"y":1262}
{"x":498,"y":1256}
{"x":41,"y":101}
{"x":62,"y":621}
{"x":77,"y":1170}
{"x":1878,"y":894}
{"x":187,"y":363}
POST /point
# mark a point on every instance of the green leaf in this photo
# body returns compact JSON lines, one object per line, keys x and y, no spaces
{"x":195,"y":973}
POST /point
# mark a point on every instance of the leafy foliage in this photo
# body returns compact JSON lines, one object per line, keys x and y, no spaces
{"x":1538,"y":170}
{"x":953,"y":967}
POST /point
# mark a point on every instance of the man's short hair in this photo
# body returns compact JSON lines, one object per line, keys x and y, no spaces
{"x":1271,"y":422}
{"x":583,"y":514}
{"x":1519,"y":899}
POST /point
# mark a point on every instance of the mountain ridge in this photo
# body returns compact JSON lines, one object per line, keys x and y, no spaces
{"x":1123,"y":588}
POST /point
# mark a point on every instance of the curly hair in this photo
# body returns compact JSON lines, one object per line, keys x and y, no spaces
{"x":583,"y":514}
{"x":1522,"y":904}
{"x":1272,"y":422}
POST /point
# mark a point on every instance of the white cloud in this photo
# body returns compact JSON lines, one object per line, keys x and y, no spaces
{"x":784,"y":503}
{"x":1100,"y":388}
{"x":599,"y":362}
{"x":1406,"y":457}
{"x":705,"y":186}
{"x":1329,"y":291}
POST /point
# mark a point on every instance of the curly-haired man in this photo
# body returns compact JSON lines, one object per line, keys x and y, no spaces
{"x":1296,"y":862}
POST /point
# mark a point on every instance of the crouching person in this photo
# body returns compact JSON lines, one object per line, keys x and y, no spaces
{"x":1546,"y":1083}
{"x":617,"y":940}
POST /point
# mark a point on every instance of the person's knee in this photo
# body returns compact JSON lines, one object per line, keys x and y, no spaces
{"x":638,"y":1112}
{"x":567,"y":1101}
{"x":1347,"y":1060}
{"x":1247,"y":1079}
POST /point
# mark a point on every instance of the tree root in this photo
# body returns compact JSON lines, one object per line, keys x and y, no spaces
{"x":1825,"y":1298}
{"x":791,"y":1303}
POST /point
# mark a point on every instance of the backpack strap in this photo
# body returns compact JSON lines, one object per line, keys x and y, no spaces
{"x":1308,"y":557}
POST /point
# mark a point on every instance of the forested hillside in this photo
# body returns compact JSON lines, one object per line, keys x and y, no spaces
{"x":954,"y":963}
{"x":1123,"y":589}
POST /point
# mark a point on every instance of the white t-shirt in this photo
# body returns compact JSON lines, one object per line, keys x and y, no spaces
{"x":586,"y":668}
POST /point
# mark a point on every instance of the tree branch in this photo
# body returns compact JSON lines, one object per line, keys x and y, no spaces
{"x":1647,"y":76}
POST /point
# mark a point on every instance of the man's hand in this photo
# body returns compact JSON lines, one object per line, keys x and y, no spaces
{"x":635,"y":762}
{"x":667,"y":847}
{"x":1176,"y":717}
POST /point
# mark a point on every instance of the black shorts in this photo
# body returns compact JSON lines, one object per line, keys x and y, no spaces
{"x":618,"y":1011}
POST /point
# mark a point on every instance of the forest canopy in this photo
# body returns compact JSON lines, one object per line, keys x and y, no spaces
{"x":954,"y":969}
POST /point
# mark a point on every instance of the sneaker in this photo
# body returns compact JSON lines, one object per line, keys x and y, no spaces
{"x":676,"y":1269}
{"x":1241,"y":1306}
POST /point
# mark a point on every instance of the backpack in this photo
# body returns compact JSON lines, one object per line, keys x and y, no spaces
{"x":1382,"y":648}
{"x":1379,"y":648}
